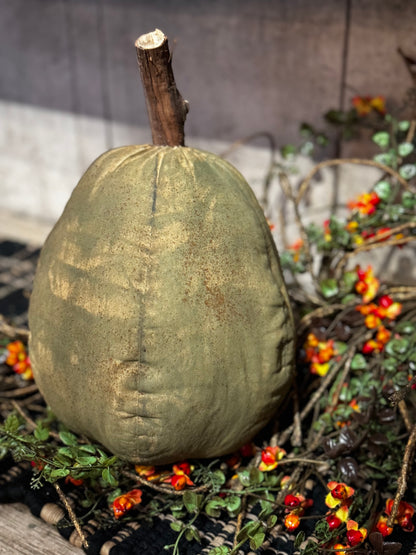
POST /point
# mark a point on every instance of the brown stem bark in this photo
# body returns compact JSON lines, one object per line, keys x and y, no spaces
{"x":166,"y":108}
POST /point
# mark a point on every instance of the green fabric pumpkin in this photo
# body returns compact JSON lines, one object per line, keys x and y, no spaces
{"x":160,"y":324}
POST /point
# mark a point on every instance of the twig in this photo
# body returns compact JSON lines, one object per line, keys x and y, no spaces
{"x":296,"y":438}
{"x":368,"y":247}
{"x":402,"y":292}
{"x":391,"y":231}
{"x":287,"y":189}
{"x":166,"y":108}
{"x":240,"y":520}
{"x":19,"y":392}
{"x":402,"y":481}
{"x":338,"y":162}
{"x":269,"y":174}
{"x":161,"y":489}
{"x":30,"y":423}
{"x":405,"y":415}
{"x":398,"y":396}
{"x":72,"y":515}
{"x":330,"y":376}
{"x":411,"y":131}
{"x":320,"y":313}
{"x":345,"y":372}
{"x":12,"y":332}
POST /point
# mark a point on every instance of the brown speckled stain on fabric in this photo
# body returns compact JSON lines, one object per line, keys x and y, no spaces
{"x":160,"y":324}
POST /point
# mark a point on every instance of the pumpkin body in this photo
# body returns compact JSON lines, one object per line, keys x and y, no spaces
{"x":160,"y":324}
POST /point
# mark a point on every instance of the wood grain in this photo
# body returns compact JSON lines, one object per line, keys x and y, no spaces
{"x":165,"y":106}
{"x":23,"y":534}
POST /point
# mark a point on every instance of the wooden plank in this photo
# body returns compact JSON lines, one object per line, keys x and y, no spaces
{"x":23,"y":534}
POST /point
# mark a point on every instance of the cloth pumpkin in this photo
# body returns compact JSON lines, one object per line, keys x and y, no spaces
{"x":160,"y":323}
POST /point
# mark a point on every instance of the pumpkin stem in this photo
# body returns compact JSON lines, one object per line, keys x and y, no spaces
{"x":165,"y":106}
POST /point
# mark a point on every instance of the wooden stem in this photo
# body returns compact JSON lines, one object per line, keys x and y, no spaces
{"x":166,"y":108}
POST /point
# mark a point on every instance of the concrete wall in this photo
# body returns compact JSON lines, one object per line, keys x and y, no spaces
{"x":70,"y":87}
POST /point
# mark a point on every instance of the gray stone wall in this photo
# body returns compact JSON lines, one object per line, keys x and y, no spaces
{"x":244,"y":65}
{"x":70,"y":87}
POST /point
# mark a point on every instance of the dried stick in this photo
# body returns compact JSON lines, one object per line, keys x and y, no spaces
{"x":320,"y":313}
{"x":398,"y":396}
{"x":405,"y":415}
{"x":339,"y":162}
{"x":287,"y":189}
{"x":19,"y":392}
{"x":12,"y":332}
{"x":347,"y":356}
{"x":368,"y":247}
{"x":345,"y":372}
{"x":402,"y":481}
{"x":411,"y":131}
{"x":165,"y":106}
{"x":72,"y":515}
{"x":240,"y":520}
{"x":31,"y":425}
{"x":161,"y":489}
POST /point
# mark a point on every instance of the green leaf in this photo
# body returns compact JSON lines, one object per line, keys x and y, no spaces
{"x":220,"y":550}
{"x":390,"y":364}
{"x":307,"y":148}
{"x":109,"y":478}
{"x":405,"y":327}
{"x":68,"y":439}
{"x":249,"y":530}
{"x":382,"y":139}
{"x":340,"y":347}
{"x":271,"y":521}
{"x":311,"y":548}
{"x":348,"y":298}
{"x":41,"y":433}
{"x":407,"y":171}
{"x":214,"y":506}
{"x":329,"y":288}
{"x":397,"y":347}
{"x":300,"y":538}
{"x":322,"y":530}
{"x":403,"y":125}
{"x":218,"y":477}
{"x":192,"y":501}
{"x":192,"y":534}
{"x":12,"y":423}
{"x":385,"y":158}
{"x":409,"y":199}
{"x":306,"y":130}
{"x":58,"y":473}
{"x":383,"y":189}
{"x":267,"y":504}
{"x":88,"y":448}
{"x":394,"y":211}
{"x":349,"y":279}
{"x":233,"y":503}
{"x":176,"y":526}
{"x":322,"y":139}
{"x":336,"y":117}
{"x":64,"y":456}
{"x":113,"y":495}
{"x":404,"y":149}
{"x":288,"y":150}
{"x":256,"y":476}
{"x":358,"y":362}
{"x":86,"y":461}
{"x":257,"y":541}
